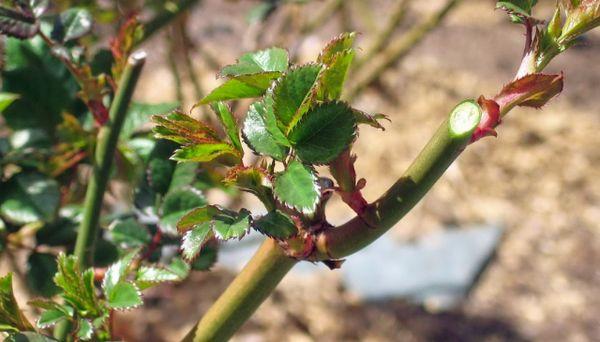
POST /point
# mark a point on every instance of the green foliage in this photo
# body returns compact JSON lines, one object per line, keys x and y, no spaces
{"x":120,"y":293}
{"x":41,"y":267}
{"x":519,"y":10}
{"x":276,"y":224}
{"x":297,"y":188}
{"x":207,"y":222}
{"x":293,"y":93}
{"x":72,"y":24}
{"x":229,"y":123}
{"x":176,"y":204}
{"x":241,"y":87}
{"x":325,"y":131}
{"x":129,"y":233}
{"x":29,"y":197}
{"x":77,"y":285}
{"x":6,"y":99}
{"x":139,"y":114}
{"x":269,"y":60}
{"x":262,"y":133}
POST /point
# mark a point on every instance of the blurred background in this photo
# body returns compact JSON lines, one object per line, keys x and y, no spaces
{"x":505,"y":247}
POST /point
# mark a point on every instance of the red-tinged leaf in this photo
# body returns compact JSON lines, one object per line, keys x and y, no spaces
{"x":122,"y":46}
{"x":581,"y":17}
{"x":183,"y":129}
{"x":371,"y":120}
{"x":204,"y":152}
{"x":338,"y":44}
{"x":490,"y":118}
{"x":530,"y":91}
{"x":99,"y":111}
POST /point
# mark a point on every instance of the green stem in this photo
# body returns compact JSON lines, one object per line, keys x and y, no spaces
{"x":105,"y":150}
{"x":443,"y":148}
{"x":395,"y":51}
{"x":244,"y":295}
{"x":108,"y":137}
{"x":269,"y":265}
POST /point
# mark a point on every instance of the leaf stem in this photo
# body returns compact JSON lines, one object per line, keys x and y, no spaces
{"x":244,"y":295}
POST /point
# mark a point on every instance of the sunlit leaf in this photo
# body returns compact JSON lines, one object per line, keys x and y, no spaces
{"x":262,"y":133}
{"x":242,"y":87}
{"x":297,"y":188}
{"x":176,"y":204}
{"x":273,"y":59}
{"x":229,"y":123}
{"x":339,"y":44}
{"x":72,"y":24}
{"x":11,"y":317}
{"x":204,"y":152}
{"x":78,"y":287}
{"x":124,"y":295}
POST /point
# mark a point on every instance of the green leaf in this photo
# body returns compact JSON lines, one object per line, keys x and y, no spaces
{"x":261,"y":132}
{"x":228,"y":121}
{"x":176,"y":204}
{"x":11,"y":317}
{"x":334,"y":75}
{"x":273,"y":59}
{"x":124,"y":295}
{"x":49,"y":318}
{"x":117,"y":272}
{"x":276,"y":224}
{"x":368,"y":119}
{"x":85,"y":330}
{"x":184,"y":175}
{"x":6,"y":99}
{"x":232,"y":228}
{"x":139,"y":114}
{"x":179,"y":267}
{"x":324,"y":132}
{"x":28,"y":337}
{"x":37,"y":7}
{"x":41,"y":268}
{"x":293,"y":93}
{"x":206,"y":259}
{"x":339,"y":44}
{"x":194,"y":239}
{"x":17,"y":24}
{"x":203,"y":223}
{"x":147,"y":276}
{"x":129,"y":233}
{"x":242,"y":87}
{"x":78,"y":287}
{"x":204,"y":152}
{"x":28,"y":70}
{"x":72,"y":24}
{"x":297,"y":188}
{"x":62,"y":231}
{"x":29,"y":197}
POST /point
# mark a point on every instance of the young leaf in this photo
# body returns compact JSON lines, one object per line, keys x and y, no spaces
{"x":273,"y":59}
{"x":324,"y":132}
{"x":293,"y":93}
{"x":11,"y":317}
{"x":41,"y":267}
{"x":124,"y":295}
{"x":581,"y":17}
{"x":194,"y":239}
{"x":228,"y":121}
{"x":339,"y":44}
{"x":205,"y":260}
{"x":242,"y":87}
{"x":17,"y":24}
{"x":138,"y":114}
{"x":176,"y":204}
{"x":6,"y":99}
{"x":183,"y":129}
{"x":334,"y":75}
{"x":261,"y":132}
{"x":72,"y":24}
{"x":29,"y":197}
{"x":251,"y":179}
{"x":184,"y":175}
{"x":197,"y":217}
{"x":517,"y":9}
{"x":129,"y":233}
{"x":368,"y":119}
{"x":117,"y":272}
{"x":276,"y":224}
{"x":204,"y":152}
{"x":297,"y":187}
{"x":530,"y":91}
{"x":78,"y":287}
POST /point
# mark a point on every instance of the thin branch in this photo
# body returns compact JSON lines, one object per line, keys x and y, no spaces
{"x":383,"y":37}
{"x":165,"y":17}
{"x":396,"y":51}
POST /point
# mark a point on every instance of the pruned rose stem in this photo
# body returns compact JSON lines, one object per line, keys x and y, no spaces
{"x":244,"y":295}
{"x":269,"y":265}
